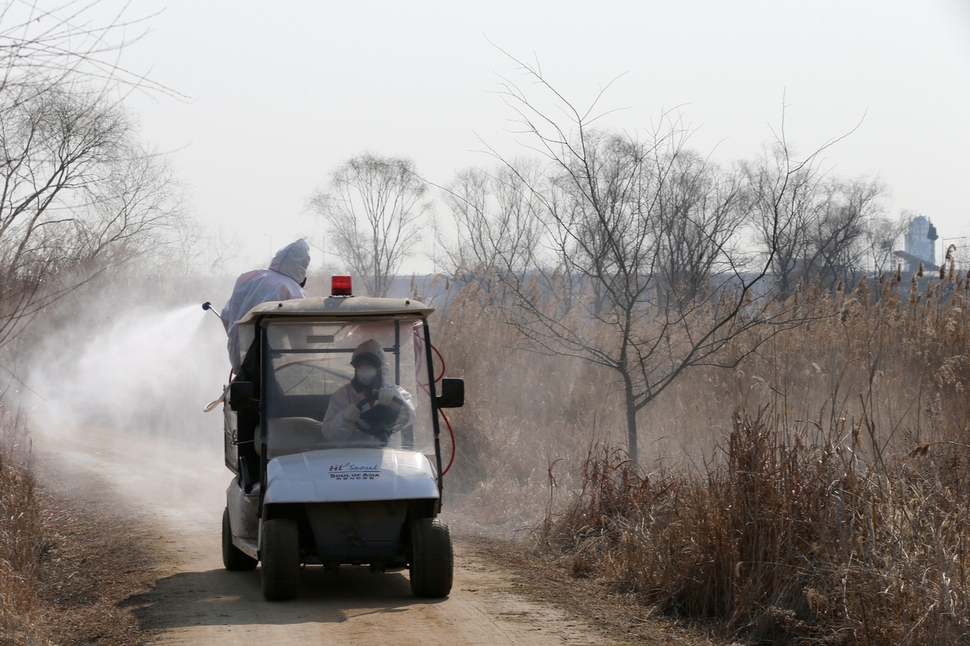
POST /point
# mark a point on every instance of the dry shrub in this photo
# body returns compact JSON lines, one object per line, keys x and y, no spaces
{"x":21,"y":538}
{"x":835,"y":512}
{"x":785,"y":541}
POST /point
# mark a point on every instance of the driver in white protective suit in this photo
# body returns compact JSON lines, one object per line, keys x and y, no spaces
{"x":283,"y":280}
{"x":342,"y":420}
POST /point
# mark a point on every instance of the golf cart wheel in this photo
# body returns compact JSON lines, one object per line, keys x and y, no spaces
{"x":280,"y":553}
{"x":233,"y":557}
{"x":432,"y":564}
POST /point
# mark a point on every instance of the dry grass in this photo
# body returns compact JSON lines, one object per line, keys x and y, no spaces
{"x":818,"y":494}
{"x":783,"y":542}
{"x":63,"y":573}
{"x":21,"y":547}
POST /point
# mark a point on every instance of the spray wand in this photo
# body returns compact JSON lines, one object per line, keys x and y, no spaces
{"x":211,"y":405}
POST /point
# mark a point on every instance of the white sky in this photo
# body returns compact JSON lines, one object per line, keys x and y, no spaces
{"x":280,"y":93}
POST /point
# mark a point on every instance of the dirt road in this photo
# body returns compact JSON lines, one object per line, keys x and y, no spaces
{"x":196,"y":601}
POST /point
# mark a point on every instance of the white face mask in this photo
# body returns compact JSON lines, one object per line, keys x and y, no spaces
{"x":366,"y":374}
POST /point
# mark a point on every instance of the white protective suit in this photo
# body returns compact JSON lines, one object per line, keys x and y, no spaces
{"x":280,"y":282}
{"x":336,"y":429}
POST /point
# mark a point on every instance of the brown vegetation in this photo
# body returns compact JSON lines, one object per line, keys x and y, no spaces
{"x":818,"y":494}
{"x":63,"y":576}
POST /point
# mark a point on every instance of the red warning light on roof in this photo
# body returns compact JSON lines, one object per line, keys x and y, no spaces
{"x":341,"y":286}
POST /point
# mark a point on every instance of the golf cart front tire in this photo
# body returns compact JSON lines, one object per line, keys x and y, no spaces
{"x":432,"y":566}
{"x":232,"y":557}
{"x":280,"y":554}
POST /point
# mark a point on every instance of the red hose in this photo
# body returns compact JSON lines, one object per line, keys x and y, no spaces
{"x":442,"y":360}
{"x":451,"y":431}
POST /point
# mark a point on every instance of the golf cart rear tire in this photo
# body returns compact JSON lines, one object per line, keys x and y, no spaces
{"x":432,"y":566}
{"x":233,"y":557}
{"x":280,"y":554}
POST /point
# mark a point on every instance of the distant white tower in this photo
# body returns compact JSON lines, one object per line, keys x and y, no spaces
{"x":921,"y":241}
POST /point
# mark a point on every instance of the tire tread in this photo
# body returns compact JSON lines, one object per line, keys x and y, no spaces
{"x":280,"y":554}
{"x":432,"y":563}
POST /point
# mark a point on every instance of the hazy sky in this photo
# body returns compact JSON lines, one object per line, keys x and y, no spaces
{"x":281,"y":93}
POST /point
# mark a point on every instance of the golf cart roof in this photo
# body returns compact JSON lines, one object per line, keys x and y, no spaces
{"x":320,"y":308}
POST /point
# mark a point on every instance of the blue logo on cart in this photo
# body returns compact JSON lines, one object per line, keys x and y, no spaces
{"x":351,"y":471}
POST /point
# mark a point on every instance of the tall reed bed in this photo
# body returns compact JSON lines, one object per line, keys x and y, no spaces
{"x":523,"y":412}
{"x":783,"y":541}
{"x":817,"y":494}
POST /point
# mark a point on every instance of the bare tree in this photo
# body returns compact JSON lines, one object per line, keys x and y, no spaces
{"x":781,"y":195}
{"x":372,"y":207}
{"x":494,"y":224}
{"x":698,"y":219}
{"x":815,"y":226}
{"x":617,"y":212}
{"x":76,"y":193}
{"x":837,"y":238}
{"x":879,"y":238}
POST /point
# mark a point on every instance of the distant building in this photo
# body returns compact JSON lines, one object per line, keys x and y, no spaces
{"x":920,"y":241}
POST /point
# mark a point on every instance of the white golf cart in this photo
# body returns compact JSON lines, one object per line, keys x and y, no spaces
{"x":368,"y":495}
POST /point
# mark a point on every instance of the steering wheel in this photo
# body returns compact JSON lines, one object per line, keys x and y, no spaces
{"x":381,"y":420}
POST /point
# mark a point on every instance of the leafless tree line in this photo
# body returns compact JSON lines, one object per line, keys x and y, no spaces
{"x":635,"y":253}
{"x":820,"y":228}
{"x":814,"y":227}
{"x":655,"y":260}
{"x":78,"y":193}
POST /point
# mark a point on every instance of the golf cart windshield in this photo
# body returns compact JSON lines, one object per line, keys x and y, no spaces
{"x":308,"y":386}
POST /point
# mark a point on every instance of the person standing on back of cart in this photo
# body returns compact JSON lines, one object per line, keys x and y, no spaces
{"x":283,"y":281}
{"x":344,"y":411}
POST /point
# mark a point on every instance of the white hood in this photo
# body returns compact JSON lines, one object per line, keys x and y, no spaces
{"x":292,"y":260}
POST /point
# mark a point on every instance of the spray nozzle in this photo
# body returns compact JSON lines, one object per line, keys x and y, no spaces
{"x":208,"y":306}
